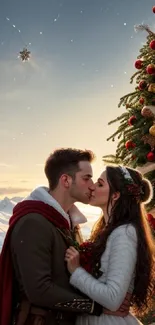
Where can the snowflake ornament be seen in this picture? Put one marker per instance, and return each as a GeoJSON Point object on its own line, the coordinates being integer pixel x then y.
{"type": "Point", "coordinates": [24, 55]}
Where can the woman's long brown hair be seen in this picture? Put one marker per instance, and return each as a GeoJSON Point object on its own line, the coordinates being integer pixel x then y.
{"type": "Point", "coordinates": [128, 211]}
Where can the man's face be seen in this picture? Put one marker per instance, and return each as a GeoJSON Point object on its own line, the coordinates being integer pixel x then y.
{"type": "Point", "coordinates": [82, 186]}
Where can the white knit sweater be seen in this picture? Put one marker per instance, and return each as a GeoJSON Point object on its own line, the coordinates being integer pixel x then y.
{"type": "Point", "coordinates": [118, 266]}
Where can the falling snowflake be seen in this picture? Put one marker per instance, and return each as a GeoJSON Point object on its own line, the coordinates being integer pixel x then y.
{"type": "Point", "coordinates": [24, 55]}
{"type": "Point", "coordinates": [58, 16]}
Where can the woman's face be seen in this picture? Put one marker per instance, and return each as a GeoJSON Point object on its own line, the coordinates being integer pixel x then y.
{"type": "Point", "coordinates": [100, 195]}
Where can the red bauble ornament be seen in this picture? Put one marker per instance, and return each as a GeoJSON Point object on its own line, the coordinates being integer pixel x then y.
{"type": "Point", "coordinates": [141, 100]}
{"type": "Point", "coordinates": [150, 156]}
{"type": "Point", "coordinates": [132, 120]}
{"type": "Point", "coordinates": [142, 85]}
{"type": "Point", "coordinates": [150, 69]}
{"type": "Point", "coordinates": [138, 64]}
{"type": "Point", "coordinates": [153, 9]}
{"type": "Point", "coordinates": [130, 145]}
{"type": "Point", "coordinates": [152, 45]}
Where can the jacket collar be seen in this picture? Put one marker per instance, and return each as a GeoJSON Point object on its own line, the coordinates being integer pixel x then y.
{"type": "Point", "coordinates": [41, 193]}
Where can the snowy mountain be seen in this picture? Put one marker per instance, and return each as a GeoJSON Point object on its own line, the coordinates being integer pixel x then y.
{"type": "Point", "coordinates": [6, 208]}
{"type": "Point", "coordinates": [7, 205]}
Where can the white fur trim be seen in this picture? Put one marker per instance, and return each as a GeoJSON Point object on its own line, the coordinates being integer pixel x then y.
{"type": "Point", "coordinates": [41, 193]}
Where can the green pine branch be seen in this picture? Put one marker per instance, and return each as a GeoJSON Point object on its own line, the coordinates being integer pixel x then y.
{"type": "Point", "coordinates": [117, 119]}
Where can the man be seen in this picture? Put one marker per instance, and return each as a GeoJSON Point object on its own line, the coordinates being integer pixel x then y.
{"type": "Point", "coordinates": [32, 269]}
{"type": "Point", "coordinates": [38, 237]}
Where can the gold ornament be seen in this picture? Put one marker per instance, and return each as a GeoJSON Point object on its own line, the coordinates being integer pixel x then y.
{"type": "Point", "coordinates": [146, 111]}
{"type": "Point", "coordinates": [151, 88]}
{"type": "Point", "coordinates": [24, 54]}
{"type": "Point", "coordinates": [152, 130]}
{"type": "Point", "coordinates": [149, 139]}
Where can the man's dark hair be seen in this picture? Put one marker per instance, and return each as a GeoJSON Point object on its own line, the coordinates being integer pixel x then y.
{"type": "Point", "coordinates": [65, 161]}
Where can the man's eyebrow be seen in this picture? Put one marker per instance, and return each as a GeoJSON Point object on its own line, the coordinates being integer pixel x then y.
{"type": "Point", "coordinates": [101, 179]}
{"type": "Point", "coordinates": [88, 175]}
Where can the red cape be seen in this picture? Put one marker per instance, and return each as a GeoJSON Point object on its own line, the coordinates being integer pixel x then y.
{"type": "Point", "coordinates": [6, 267]}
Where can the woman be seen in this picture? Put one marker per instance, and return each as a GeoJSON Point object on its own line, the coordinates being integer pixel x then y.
{"type": "Point", "coordinates": [122, 247]}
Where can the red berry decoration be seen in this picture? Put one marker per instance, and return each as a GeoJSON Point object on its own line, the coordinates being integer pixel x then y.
{"type": "Point", "coordinates": [150, 69]}
{"type": "Point", "coordinates": [142, 85]}
{"type": "Point", "coordinates": [149, 216]}
{"type": "Point", "coordinates": [130, 145]}
{"type": "Point", "coordinates": [152, 223]}
{"type": "Point", "coordinates": [141, 100]}
{"type": "Point", "coordinates": [153, 9]}
{"type": "Point", "coordinates": [152, 45]}
{"type": "Point", "coordinates": [150, 156]}
{"type": "Point", "coordinates": [132, 120]}
{"type": "Point", "coordinates": [151, 220]}
{"type": "Point", "coordinates": [138, 64]}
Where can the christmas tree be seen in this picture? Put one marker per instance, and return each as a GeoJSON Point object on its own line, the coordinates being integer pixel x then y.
{"type": "Point", "coordinates": [136, 131]}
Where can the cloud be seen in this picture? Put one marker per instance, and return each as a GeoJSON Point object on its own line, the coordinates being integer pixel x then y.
{"type": "Point", "coordinates": [4, 165]}
{"type": "Point", "coordinates": [13, 190]}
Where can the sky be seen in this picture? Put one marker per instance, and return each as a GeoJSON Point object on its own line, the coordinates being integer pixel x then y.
{"type": "Point", "coordinates": [82, 58]}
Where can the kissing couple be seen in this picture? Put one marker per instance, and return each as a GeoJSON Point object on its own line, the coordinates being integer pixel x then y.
{"type": "Point", "coordinates": [49, 276]}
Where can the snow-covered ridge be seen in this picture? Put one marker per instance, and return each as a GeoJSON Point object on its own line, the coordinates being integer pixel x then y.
{"type": "Point", "coordinates": [6, 208]}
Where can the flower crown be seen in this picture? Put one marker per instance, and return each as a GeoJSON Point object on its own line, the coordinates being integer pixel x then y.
{"type": "Point", "coordinates": [133, 189]}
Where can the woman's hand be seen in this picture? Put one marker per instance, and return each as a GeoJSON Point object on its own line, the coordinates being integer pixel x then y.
{"type": "Point", "coordinates": [72, 258]}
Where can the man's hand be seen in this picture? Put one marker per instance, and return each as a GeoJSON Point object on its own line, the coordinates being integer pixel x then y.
{"type": "Point", "coordinates": [123, 310]}
{"type": "Point", "coordinates": [72, 257]}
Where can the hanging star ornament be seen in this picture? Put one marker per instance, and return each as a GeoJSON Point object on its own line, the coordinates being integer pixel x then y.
{"type": "Point", "coordinates": [24, 55]}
